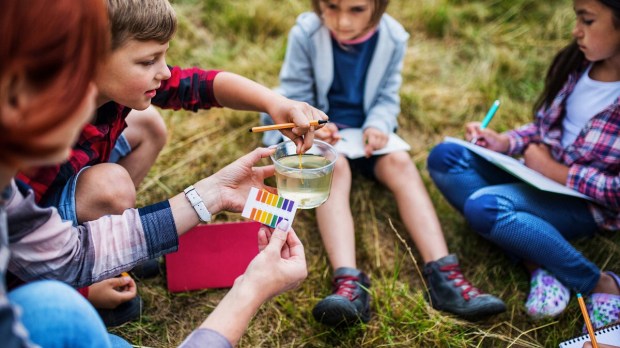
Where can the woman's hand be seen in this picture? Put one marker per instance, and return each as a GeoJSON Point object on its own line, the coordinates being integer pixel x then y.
{"type": "Point", "coordinates": [487, 137]}
{"type": "Point", "coordinates": [227, 189]}
{"type": "Point", "coordinates": [374, 139]}
{"type": "Point", "coordinates": [110, 293]}
{"type": "Point", "coordinates": [285, 110]}
{"type": "Point", "coordinates": [230, 186]}
{"type": "Point", "coordinates": [280, 266]}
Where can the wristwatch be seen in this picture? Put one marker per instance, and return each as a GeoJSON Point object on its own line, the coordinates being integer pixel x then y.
{"type": "Point", "coordinates": [196, 201]}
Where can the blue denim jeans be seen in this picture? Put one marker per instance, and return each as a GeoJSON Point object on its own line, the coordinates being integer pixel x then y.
{"type": "Point", "coordinates": [527, 223]}
{"type": "Point", "coordinates": [56, 315]}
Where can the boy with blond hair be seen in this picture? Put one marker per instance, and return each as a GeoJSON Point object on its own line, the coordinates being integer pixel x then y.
{"type": "Point", "coordinates": [116, 150]}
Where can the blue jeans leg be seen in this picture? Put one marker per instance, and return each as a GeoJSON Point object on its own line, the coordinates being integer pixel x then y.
{"type": "Point", "coordinates": [56, 315]}
{"type": "Point", "coordinates": [458, 173]}
{"type": "Point", "coordinates": [535, 225]}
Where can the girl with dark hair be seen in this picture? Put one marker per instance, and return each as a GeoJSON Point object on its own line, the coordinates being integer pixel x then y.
{"type": "Point", "coordinates": [574, 140]}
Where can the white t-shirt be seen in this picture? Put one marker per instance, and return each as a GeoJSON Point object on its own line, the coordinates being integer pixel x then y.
{"type": "Point", "coordinates": [589, 98]}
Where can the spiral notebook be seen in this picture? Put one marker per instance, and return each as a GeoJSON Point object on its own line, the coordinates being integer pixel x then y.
{"type": "Point", "coordinates": [607, 335]}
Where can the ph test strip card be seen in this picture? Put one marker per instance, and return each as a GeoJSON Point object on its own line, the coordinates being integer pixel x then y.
{"type": "Point", "coordinates": [268, 208]}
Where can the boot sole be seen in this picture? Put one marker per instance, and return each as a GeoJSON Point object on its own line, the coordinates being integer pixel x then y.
{"type": "Point", "coordinates": [326, 313]}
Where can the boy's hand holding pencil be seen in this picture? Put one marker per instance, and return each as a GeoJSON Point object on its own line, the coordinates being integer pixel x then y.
{"type": "Point", "coordinates": [300, 114]}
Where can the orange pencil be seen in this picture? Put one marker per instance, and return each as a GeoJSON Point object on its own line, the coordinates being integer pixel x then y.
{"type": "Point", "coordinates": [283, 126]}
{"type": "Point", "coordinates": [586, 318]}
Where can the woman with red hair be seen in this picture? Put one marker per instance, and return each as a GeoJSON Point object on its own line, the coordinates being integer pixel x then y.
{"type": "Point", "coordinates": [49, 53]}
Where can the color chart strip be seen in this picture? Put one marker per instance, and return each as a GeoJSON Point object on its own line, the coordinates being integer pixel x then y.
{"type": "Point", "coordinates": [268, 208]}
{"type": "Point", "coordinates": [274, 200]}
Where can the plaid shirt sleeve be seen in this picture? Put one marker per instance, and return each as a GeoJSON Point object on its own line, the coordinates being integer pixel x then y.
{"type": "Point", "coordinates": [596, 184]}
{"type": "Point", "coordinates": [43, 246]}
{"type": "Point", "coordinates": [189, 89]}
{"type": "Point", "coordinates": [595, 167]}
{"type": "Point", "coordinates": [521, 137]}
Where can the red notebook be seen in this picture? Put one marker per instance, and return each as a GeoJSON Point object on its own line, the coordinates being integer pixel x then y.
{"type": "Point", "coordinates": [212, 256]}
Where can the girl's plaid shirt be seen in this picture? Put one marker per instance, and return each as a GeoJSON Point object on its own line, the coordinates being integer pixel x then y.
{"type": "Point", "coordinates": [593, 159]}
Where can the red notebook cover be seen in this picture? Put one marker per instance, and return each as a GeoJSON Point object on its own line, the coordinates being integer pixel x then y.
{"type": "Point", "coordinates": [212, 256]}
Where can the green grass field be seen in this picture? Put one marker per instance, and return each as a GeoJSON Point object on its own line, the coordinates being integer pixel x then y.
{"type": "Point", "coordinates": [462, 55]}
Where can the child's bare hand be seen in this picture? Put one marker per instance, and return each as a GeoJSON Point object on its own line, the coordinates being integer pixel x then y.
{"type": "Point", "coordinates": [472, 130]}
{"type": "Point", "coordinates": [287, 110]}
{"type": "Point", "coordinates": [110, 293]}
{"type": "Point", "coordinates": [487, 137]}
{"type": "Point", "coordinates": [374, 139]}
{"type": "Point", "coordinates": [538, 157]}
{"type": "Point", "coordinates": [329, 134]}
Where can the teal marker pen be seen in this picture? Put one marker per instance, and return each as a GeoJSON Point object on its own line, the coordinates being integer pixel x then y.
{"type": "Point", "coordinates": [490, 114]}
{"type": "Point", "coordinates": [487, 118]}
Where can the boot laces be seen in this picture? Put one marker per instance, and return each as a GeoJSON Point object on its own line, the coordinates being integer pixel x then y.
{"type": "Point", "coordinates": [345, 286]}
{"type": "Point", "coordinates": [468, 291]}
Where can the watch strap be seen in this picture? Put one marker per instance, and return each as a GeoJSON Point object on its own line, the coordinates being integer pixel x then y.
{"type": "Point", "coordinates": [196, 201]}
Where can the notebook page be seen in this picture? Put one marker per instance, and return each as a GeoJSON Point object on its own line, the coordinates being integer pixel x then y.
{"type": "Point", "coordinates": [607, 335]}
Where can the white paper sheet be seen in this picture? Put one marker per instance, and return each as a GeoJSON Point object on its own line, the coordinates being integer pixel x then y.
{"type": "Point", "coordinates": [352, 144]}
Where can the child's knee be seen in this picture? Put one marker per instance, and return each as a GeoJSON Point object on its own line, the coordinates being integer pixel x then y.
{"type": "Point", "coordinates": [397, 168]}
{"type": "Point", "coordinates": [397, 162]}
{"type": "Point", "coordinates": [342, 166]}
{"type": "Point", "coordinates": [120, 193]}
{"type": "Point", "coordinates": [107, 184]}
{"type": "Point", "coordinates": [445, 156]}
{"type": "Point", "coordinates": [155, 126]}
{"type": "Point", "coordinates": [482, 211]}
{"type": "Point", "coordinates": [152, 124]}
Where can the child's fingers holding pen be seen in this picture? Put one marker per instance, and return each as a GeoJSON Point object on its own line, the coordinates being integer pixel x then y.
{"type": "Point", "coordinates": [308, 140]}
{"type": "Point", "coordinates": [314, 115]}
{"type": "Point", "coordinates": [472, 131]}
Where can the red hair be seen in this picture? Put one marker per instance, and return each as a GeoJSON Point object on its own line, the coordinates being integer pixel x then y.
{"type": "Point", "coordinates": [56, 47]}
